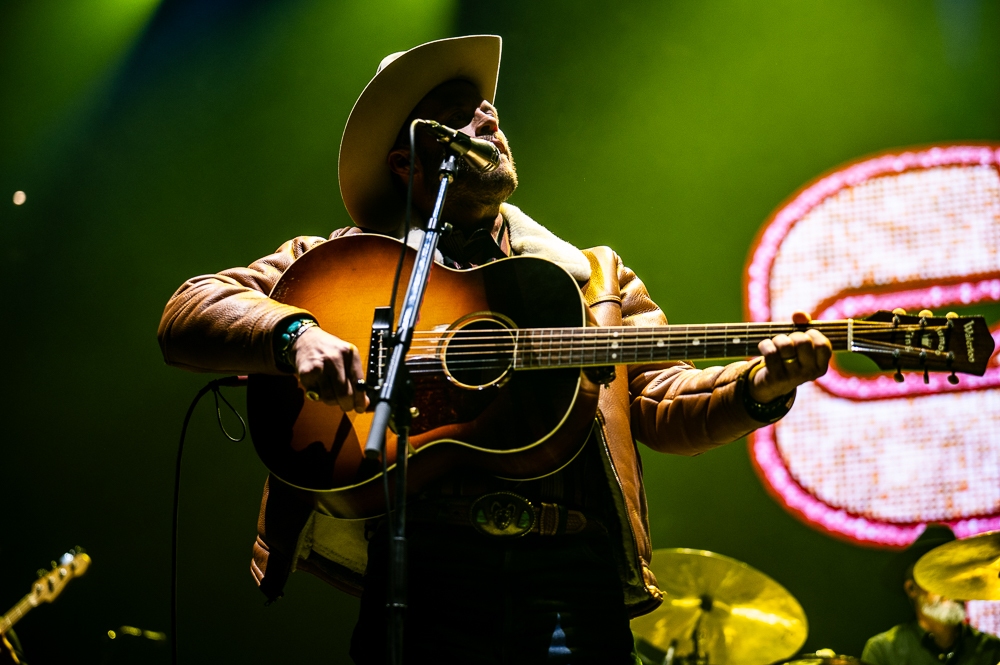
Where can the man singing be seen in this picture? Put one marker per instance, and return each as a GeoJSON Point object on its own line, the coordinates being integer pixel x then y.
{"type": "Point", "coordinates": [559, 594]}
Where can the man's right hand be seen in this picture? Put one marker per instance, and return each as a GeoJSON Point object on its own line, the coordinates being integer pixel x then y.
{"type": "Point", "coordinates": [331, 367]}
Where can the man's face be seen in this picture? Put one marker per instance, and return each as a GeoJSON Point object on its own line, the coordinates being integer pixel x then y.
{"type": "Point", "coordinates": [943, 610]}
{"type": "Point", "coordinates": [459, 105]}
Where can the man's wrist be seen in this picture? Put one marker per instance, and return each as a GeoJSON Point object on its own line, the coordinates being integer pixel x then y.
{"type": "Point", "coordinates": [764, 412]}
{"type": "Point", "coordinates": [287, 333]}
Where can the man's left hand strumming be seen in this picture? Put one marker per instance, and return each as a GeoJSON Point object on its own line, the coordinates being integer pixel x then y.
{"type": "Point", "coordinates": [790, 361]}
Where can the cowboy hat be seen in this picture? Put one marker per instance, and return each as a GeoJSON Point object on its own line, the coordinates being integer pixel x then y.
{"type": "Point", "coordinates": [401, 81]}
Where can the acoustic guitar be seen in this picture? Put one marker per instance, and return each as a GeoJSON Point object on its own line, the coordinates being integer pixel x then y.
{"type": "Point", "coordinates": [496, 366]}
{"type": "Point", "coordinates": [46, 588]}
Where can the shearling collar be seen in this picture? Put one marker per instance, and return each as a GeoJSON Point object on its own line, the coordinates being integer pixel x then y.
{"type": "Point", "coordinates": [528, 237]}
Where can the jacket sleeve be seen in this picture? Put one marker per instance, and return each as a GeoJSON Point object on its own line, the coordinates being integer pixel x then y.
{"type": "Point", "coordinates": [675, 407]}
{"type": "Point", "coordinates": [225, 322]}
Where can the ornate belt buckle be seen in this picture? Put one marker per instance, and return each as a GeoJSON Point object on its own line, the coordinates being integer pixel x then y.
{"type": "Point", "coordinates": [502, 514]}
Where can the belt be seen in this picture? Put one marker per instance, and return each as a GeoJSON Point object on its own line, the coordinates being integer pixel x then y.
{"type": "Point", "coordinates": [503, 515]}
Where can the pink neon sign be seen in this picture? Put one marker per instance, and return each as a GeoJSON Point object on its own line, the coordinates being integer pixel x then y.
{"type": "Point", "coordinates": [865, 458]}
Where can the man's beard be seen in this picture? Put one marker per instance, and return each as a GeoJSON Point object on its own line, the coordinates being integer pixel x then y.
{"type": "Point", "coordinates": [947, 612]}
{"type": "Point", "coordinates": [473, 188]}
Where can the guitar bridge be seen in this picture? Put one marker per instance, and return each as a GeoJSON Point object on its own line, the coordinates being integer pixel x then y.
{"type": "Point", "coordinates": [378, 350]}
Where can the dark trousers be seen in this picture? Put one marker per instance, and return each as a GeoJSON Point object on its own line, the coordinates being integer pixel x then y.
{"type": "Point", "coordinates": [477, 599]}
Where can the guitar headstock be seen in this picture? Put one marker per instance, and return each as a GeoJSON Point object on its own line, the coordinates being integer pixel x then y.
{"type": "Point", "coordinates": [50, 583]}
{"type": "Point", "coordinates": [925, 342]}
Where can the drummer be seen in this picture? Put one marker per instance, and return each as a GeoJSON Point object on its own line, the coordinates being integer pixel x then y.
{"type": "Point", "coordinates": [939, 632]}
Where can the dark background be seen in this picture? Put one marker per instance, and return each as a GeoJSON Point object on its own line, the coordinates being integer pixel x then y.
{"type": "Point", "coordinates": [156, 141]}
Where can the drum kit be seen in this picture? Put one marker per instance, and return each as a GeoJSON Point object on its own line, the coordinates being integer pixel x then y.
{"type": "Point", "coordinates": [720, 611]}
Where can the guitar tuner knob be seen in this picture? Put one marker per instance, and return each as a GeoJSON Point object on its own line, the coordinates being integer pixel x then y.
{"type": "Point", "coordinates": [898, 377]}
{"type": "Point", "coordinates": [952, 379]}
{"type": "Point", "coordinates": [927, 379]}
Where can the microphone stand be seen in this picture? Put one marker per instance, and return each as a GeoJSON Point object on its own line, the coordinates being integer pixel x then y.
{"type": "Point", "coordinates": [393, 407]}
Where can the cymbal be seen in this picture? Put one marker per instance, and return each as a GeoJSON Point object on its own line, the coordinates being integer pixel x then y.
{"type": "Point", "coordinates": [742, 616]}
{"type": "Point", "coordinates": [964, 569]}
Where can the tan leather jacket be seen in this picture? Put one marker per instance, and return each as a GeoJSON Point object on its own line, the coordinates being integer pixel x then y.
{"type": "Point", "coordinates": [225, 323]}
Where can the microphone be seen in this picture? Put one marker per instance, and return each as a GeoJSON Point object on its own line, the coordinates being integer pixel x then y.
{"type": "Point", "coordinates": [481, 155]}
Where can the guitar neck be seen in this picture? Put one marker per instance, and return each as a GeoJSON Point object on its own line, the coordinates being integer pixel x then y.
{"type": "Point", "coordinates": [15, 614]}
{"type": "Point", "coordinates": [541, 348]}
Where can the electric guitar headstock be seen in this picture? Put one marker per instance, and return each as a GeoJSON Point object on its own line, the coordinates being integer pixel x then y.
{"type": "Point", "coordinates": [949, 343]}
{"type": "Point", "coordinates": [50, 583]}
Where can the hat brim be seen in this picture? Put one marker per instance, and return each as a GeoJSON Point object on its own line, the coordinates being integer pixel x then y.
{"type": "Point", "coordinates": [365, 180]}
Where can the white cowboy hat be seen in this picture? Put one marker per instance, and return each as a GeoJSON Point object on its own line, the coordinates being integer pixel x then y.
{"type": "Point", "coordinates": [401, 81]}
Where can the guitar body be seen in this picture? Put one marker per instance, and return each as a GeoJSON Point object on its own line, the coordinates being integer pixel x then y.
{"type": "Point", "coordinates": [518, 425]}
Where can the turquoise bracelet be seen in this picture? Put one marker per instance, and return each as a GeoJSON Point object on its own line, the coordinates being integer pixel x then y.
{"type": "Point", "coordinates": [287, 339]}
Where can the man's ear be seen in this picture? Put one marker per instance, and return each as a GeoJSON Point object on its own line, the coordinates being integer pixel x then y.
{"type": "Point", "coordinates": [399, 163]}
{"type": "Point", "coordinates": [911, 589]}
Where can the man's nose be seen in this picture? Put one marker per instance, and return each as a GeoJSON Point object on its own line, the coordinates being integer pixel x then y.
{"type": "Point", "coordinates": [484, 123]}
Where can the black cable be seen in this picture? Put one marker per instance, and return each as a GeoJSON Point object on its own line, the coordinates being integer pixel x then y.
{"type": "Point", "coordinates": [214, 387]}
{"type": "Point", "coordinates": [392, 309]}
{"type": "Point", "coordinates": [406, 224]}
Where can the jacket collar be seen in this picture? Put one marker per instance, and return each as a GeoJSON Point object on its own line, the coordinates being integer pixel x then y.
{"type": "Point", "coordinates": [529, 238]}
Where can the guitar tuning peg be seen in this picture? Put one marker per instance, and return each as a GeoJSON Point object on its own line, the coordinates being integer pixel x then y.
{"type": "Point", "coordinates": [925, 312]}
{"type": "Point", "coordinates": [927, 379]}
{"type": "Point", "coordinates": [899, 311]}
{"type": "Point", "coordinates": [951, 315]}
{"type": "Point", "coordinates": [898, 376]}
{"type": "Point", "coordinates": [952, 379]}
{"type": "Point", "coordinates": [41, 572]}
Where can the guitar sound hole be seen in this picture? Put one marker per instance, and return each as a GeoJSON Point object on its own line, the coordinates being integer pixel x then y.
{"type": "Point", "coordinates": [479, 352]}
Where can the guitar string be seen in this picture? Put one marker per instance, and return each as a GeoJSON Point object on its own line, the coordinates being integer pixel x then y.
{"type": "Point", "coordinates": [561, 335]}
{"type": "Point", "coordinates": [540, 338]}
{"type": "Point", "coordinates": [536, 342]}
{"type": "Point", "coordinates": [674, 330]}
{"type": "Point", "coordinates": [469, 364]}
{"type": "Point", "coordinates": [660, 353]}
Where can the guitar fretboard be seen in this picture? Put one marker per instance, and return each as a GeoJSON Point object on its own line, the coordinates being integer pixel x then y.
{"type": "Point", "coordinates": [539, 348]}
{"type": "Point", "coordinates": [18, 611]}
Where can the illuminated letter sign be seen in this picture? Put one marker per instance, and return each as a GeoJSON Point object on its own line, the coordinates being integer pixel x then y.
{"type": "Point", "coordinates": [864, 457]}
